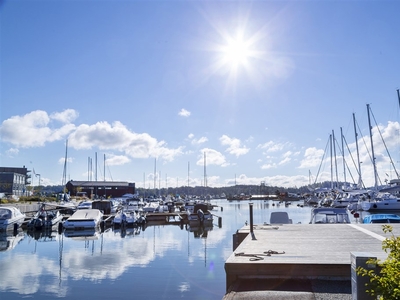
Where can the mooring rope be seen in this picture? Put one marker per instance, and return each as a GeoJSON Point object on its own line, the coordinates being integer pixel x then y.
{"type": "Point", "coordinates": [255, 257]}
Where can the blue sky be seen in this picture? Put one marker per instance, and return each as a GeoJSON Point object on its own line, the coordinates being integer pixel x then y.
{"type": "Point", "coordinates": [258, 86]}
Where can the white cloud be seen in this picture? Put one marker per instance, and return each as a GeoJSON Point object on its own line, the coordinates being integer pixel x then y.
{"type": "Point", "coordinates": [67, 116]}
{"type": "Point", "coordinates": [234, 146]}
{"type": "Point", "coordinates": [116, 160]}
{"type": "Point", "coordinates": [213, 157]}
{"type": "Point", "coordinates": [12, 152]}
{"type": "Point", "coordinates": [268, 166]}
{"type": "Point", "coordinates": [285, 161]}
{"type": "Point", "coordinates": [117, 137]}
{"type": "Point", "coordinates": [312, 158]}
{"type": "Point", "coordinates": [184, 113]}
{"type": "Point", "coordinates": [199, 141]}
{"type": "Point", "coordinates": [32, 130]}
{"type": "Point", "coordinates": [272, 146]}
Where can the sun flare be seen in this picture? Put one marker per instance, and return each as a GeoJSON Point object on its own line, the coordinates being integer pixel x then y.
{"type": "Point", "coordinates": [237, 51]}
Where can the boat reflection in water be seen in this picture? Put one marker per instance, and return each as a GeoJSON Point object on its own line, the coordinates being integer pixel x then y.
{"type": "Point", "coordinates": [10, 239]}
{"type": "Point", "coordinates": [200, 230]}
{"type": "Point", "coordinates": [84, 234]}
{"type": "Point", "coordinates": [42, 235]}
{"type": "Point", "coordinates": [164, 261]}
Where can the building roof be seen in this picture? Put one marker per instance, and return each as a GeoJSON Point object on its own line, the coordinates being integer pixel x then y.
{"type": "Point", "coordinates": [84, 184]}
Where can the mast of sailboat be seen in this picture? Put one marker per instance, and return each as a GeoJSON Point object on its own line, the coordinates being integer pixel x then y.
{"type": "Point", "coordinates": [205, 176]}
{"type": "Point", "coordinates": [372, 149]}
{"type": "Point", "coordinates": [155, 179]}
{"type": "Point", "coordinates": [358, 152]}
{"type": "Point", "coordinates": [344, 162]}
{"type": "Point", "coordinates": [334, 153]}
{"type": "Point", "coordinates": [330, 142]}
{"type": "Point", "coordinates": [144, 185]}
{"type": "Point", "coordinates": [64, 178]}
{"type": "Point", "coordinates": [95, 172]}
{"type": "Point", "coordinates": [188, 178]}
{"type": "Point", "coordinates": [398, 95]}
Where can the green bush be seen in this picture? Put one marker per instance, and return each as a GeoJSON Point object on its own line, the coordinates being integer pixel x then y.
{"type": "Point", "coordinates": [384, 280]}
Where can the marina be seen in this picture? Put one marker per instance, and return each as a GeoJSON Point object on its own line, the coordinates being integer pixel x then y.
{"type": "Point", "coordinates": [188, 261]}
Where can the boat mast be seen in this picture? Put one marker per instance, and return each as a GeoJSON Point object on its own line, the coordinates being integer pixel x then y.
{"type": "Point", "coordinates": [334, 153]}
{"type": "Point", "coordinates": [64, 178]}
{"type": "Point", "coordinates": [398, 95]}
{"type": "Point", "coordinates": [155, 180]}
{"type": "Point", "coordinates": [205, 176]}
{"type": "Point", "coordinates": [330, 140]}
{"type": "Point", "coordinates": [358, 153]}
{"type": "Point", "coordinates": [372, 149]}
{"type": "Point", "coordinates": [344, 162]}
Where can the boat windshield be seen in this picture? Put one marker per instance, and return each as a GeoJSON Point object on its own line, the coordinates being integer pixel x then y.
{"type": "Point", "coordinates": [322, 218]}
{"type": "Point", "coordinates": [5, 214]}
{"type": "Point", "coordinates": [385, 221]}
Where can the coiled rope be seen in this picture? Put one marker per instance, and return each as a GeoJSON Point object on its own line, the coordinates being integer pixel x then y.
{"type": "Point", "coordinates": [255, 257]}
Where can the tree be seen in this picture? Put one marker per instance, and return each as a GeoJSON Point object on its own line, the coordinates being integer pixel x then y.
{"type": "Point", "coordinates": [384, 280]}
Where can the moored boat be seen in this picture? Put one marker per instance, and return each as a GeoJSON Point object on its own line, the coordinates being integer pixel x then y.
{"type": "Point", "coordinates": [329, 215]}
{"type": "Point", "coordinates": [383, 201]}
{"type": "Point", "coordinates": [84, 219]}
{"type": "Point", "coordinates": [11, 218]}
{"type": "Point", "coordinates": [381, 218]}
{"type": "Point", "coordinates": [45, 219]}
{"type": "Point", "coordinates": [125, 218]}
{"type": "Point", "coordinates": [200, 215]}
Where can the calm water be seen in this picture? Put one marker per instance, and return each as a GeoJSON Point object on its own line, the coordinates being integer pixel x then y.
{"type": "Point", "coordinates": [160, 262]}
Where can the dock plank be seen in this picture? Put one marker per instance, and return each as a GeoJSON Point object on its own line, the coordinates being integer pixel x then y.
{"type": "Point", "coordinates": [320, 251]}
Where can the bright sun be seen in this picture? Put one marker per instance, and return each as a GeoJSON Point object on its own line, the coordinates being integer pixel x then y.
{"type": "Point", "coordinates": [236, 52]}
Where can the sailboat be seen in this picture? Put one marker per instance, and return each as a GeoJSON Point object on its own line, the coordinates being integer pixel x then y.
{"type": "Point", "coordinates": [382, 199]}
{"type": "Point", "coordinates": [65, 203]}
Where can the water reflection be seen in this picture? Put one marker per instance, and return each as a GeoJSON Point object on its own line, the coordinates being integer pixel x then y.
{"type": "Point", "coordinates": [157, 261]}
{"type": "Point", "coordinates": [10, 239]}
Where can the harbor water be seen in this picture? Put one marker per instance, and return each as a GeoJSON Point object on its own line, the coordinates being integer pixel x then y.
{"type": "Point", "coordinates": [156, 262]}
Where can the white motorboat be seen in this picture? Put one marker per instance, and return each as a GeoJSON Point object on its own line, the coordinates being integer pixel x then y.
{"type": "Point", "coordinates": [45, 219]}
{"type": "Point", "coordinates": [382, 201]}
{"type": "Point", "coordinates": [150, 207]}
{"type": "Point", "coordinates": [125, 218]}
{"type": "Point", "coordinates": [349, 198]}
{"type": "Point", "coordinates": [11, 218]}
{"type": "Point", "coordinates": [84, 219]}
{"type": "Point", "coordinates": [84, 205]}
{"type": "Point", "coordinates": [200, 215]}
{"type": "Point", "coordinates": [381, 218]}
{"type": "Point", "coordinates": [329, 215]}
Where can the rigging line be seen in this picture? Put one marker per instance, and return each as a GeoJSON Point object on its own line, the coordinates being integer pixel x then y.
{"type": "Point", "coordinates": [365, 144]}
{"type": "Point", "coordinates": [344, 160]}
{"type": "Point", "coordinates": [109, 171]}
{"type": "Point", "coordinates": [384, 143]}
{"type": "Point", "coordinates": [354, 163]}
{"type": "Point", "coordinates": [319, 169]}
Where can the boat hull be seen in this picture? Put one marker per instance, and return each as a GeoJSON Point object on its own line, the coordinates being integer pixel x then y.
{"type": "Point", "coordinates": [84, 219]}
{"type": "Point", "coordinates": [11, 218]}
{"type": "Point", "coordinates": [381, 205]}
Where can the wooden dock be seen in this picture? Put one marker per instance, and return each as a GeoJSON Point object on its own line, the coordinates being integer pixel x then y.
{"type": "Point", "coordinates": [301, 251]}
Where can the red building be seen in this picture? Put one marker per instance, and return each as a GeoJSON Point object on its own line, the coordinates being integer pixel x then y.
{"type": "Point", "coordinates": [97, 189]}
